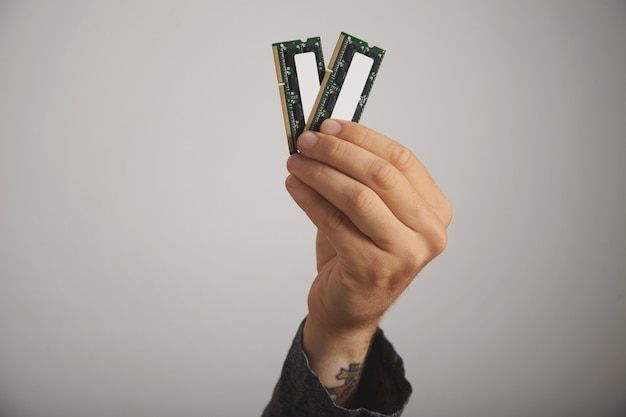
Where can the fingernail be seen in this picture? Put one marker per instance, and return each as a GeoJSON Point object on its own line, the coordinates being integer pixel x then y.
{"type": "Point", "coordinates": [330, 127]}
{"type": "Point", "coordinates": [294, 162]}
{"type": "Point", "coordinates": [307, 140]}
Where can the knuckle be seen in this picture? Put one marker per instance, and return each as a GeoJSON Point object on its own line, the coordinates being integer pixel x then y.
{"type": "Point", "coordinates": [438, 240]}
{"type": "Point", "coordinates": [362, 134]}
{"type": "Point", "coordinates": [390, 275]}
{"type": "Point", "coordinates": [413, 262]}
{"type": "Point", "coordinates": [316, 172]}
{"type": "Point", "coordinates": [394, 272]}
{"type": "Point", "coordinates": [334, 150]}
{"type": "Point", "coordinates": [446, 210]}
{"type": "Point", "coordinates": [401, 157]}
{"type": "Point", "coordinates": [362, 199]}
{"type": "Point", "coordinates": [410, 263]}
{"type": "Point", "coordinates": [380, 272]}
{"type": "Point", "coordinates": [384, 175]}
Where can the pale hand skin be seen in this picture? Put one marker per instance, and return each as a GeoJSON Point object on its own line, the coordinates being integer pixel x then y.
{"type": "Point", "coordinates": [381, 218]}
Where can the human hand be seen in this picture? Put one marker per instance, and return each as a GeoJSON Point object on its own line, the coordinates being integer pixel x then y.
{"type": "Point", "coordinates": [380, 217]}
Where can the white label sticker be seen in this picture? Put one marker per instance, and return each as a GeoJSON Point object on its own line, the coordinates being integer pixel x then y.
{"type": "Point", "coordinates": [308, 80]}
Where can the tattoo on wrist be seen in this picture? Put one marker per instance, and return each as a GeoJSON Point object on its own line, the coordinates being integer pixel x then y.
{"type": "Point", "coordinates": [342, 394]}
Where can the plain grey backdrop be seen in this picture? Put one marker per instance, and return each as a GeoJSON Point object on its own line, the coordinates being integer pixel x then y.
{"type": "Point", "coordinates": [152, 264]}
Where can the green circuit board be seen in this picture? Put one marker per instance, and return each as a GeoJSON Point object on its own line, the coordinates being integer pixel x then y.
{"type": "Point", "coordinates": [349, 51]}
{"type": "Point", "coordinates": [295, 81]}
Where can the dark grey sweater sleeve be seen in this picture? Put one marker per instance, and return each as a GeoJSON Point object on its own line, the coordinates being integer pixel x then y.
{"type": "Point", "coordinates": [383, 388]}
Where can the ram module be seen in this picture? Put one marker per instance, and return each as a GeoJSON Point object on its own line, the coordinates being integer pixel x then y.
{"type": "Point", "coordinates": [299, 70]}
{"type": "Point", "coordinates": [347, 82]}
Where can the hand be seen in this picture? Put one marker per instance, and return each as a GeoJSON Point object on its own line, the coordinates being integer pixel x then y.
{"type": "Point", "coordinates": [380, 217]}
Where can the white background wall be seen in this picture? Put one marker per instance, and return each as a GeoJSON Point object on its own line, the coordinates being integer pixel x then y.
{"type": "Point", "coordinates": [151, 263]}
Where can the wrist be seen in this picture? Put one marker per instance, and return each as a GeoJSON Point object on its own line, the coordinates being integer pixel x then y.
{"type": "Point", "coordinates": [336, 356]}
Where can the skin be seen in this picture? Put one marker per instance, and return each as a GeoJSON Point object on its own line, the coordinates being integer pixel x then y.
{"type": "Point", "coordinates": [380, 218]}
